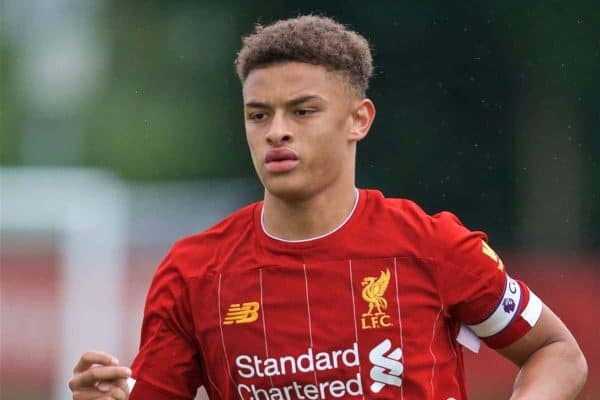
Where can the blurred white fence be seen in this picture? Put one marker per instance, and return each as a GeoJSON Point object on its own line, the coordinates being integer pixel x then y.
{"type": "Point", "coordinates": [90, 243]}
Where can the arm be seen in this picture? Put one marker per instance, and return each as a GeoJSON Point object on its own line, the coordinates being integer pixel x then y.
{"type": "Point", "coordinates": [552, 364]}
{"type": "Point", "coordinates": [506, 315]}
{"type": "Point", "coordinates": [167, 366]}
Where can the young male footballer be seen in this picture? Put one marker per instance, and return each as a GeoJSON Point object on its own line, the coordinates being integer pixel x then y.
{"type": "Point", "coordinates": [323, 290]}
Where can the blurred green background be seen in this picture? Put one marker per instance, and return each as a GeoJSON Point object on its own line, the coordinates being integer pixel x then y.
{"type": "Point", "coordinates": [488, 109]}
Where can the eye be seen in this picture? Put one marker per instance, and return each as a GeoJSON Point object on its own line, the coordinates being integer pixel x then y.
{"type": "Point", "coordinates": [258, 116]}
{"type": "Point", "coordinates": [304, 112]}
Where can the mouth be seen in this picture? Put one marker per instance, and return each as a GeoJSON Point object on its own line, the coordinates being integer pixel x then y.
{"type": "Point", "coordinates": [281, 160]}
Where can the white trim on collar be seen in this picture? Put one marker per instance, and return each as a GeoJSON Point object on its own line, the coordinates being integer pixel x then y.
{"type": "Point", "coordinates": [262, 224]}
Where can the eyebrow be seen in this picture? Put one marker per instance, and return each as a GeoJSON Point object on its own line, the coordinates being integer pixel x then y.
{"type": "Point", "coordinates": [292, 102]}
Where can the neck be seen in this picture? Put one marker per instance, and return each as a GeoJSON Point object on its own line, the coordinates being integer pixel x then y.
{"type": "Point", "coordinates": [308, 218]}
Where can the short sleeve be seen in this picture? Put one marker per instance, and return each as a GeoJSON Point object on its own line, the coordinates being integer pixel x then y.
{"type": "Point", "coordinates": [167, 365]}
{"type": "Point", "coordinates": [475, 287]}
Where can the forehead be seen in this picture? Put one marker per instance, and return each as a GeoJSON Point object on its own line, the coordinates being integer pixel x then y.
{"type": "Point", "coordinates": [291, 79]}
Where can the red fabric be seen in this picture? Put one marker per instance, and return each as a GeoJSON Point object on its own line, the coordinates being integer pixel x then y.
{"type": "Point", "coordinates": [372, 308]}
{"type": "Point", "coordinates": [472, 282]}
{"type": "Point", "coordinates": [143, 390]}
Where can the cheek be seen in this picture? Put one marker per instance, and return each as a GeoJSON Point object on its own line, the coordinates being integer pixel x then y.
{"type": "Point", "coordinates": [252, 140]}
{"type": "Point", "coordinates": [329, 150]}
{"type": "Point", "coordinates": [332, 139]}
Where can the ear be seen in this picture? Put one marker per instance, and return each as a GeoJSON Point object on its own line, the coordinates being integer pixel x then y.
{"type": "Point", "coordinates": [363, 115]}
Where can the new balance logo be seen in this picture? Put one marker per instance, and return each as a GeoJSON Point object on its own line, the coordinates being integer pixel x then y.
{"type": "Point", "coordinates": [242, 314]}
{"type": "Point", "coordinates": [387, 368]}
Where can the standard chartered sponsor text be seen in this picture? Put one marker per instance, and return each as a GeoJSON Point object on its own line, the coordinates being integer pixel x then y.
{"type": "Point", "coordinates": [322, 390]}
{"type": "Point", "coordinates": [249, 367]}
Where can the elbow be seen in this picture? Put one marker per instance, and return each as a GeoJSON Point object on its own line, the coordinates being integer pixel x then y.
{"type": "Point", "coordinates": [581, 366]}
{"type": "Point", "coordinates": [575, 367]}
{"type": "Point", "coordinates": [578, 367]}
{"type": "Point", "coordinates": [577, 364]}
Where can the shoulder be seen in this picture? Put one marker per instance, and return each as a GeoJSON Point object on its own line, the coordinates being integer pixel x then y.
{"type": "Point", "coordinates": [437, 232]}
{"type": "Point", "coordinates": [442, 223]}
{"type": "Point", "coordinates": [195, 254]}
{"type": "Point", "coordinates": [394, 205]}
{"type": "Point", "coordinates": [400, 213]}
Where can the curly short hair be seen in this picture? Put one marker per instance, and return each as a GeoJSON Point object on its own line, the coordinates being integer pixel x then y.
{"type": "Point", "coordinates": [309, 39]}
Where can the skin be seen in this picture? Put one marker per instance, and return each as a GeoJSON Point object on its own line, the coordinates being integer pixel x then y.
{"type": "Point", "coordinates": [98, 376]}
{"type": "Point", "coordinates": [322, 130]}
{"type": "Point", "coordinates": [552, 366]}
{"type": "Point", "coordinates": [312, 113]}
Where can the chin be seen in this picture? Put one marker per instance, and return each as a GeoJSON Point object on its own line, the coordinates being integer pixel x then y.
{"type": "Point", "coordinates": [287, 188]}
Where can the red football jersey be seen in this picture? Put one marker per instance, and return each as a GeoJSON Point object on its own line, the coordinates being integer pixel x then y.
{"type": "Point", "coordinates": [369, 311]}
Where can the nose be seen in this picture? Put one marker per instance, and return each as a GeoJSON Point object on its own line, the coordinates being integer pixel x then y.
{"type": "Point", "coordinates": [278, 133]}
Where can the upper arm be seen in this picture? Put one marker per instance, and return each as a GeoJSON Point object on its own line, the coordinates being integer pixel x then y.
{"type": "Point", "coordinates": [168, 365]}
{"type": "Point", "coordinates": [476, 288]}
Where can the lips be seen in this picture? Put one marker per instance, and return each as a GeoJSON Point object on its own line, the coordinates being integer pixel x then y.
{"type": "Point", "coordinates": [281, 160]}
{"type": "Point", "coordinates": [280, 155]}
